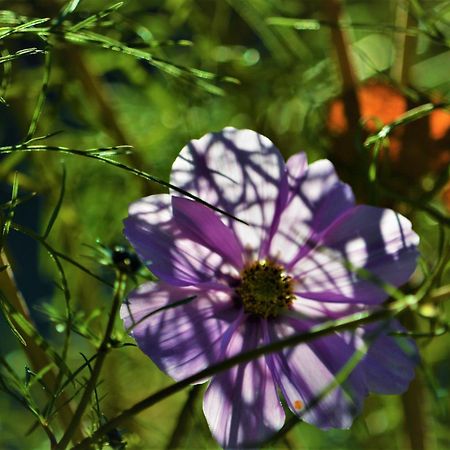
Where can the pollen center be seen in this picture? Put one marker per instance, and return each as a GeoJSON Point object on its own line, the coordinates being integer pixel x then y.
{"type": "Point", "coordinates": [265, 289]}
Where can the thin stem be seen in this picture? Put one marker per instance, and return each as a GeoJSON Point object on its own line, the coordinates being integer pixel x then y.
{"type": "Point", "coordinates": [430, 210]}
{"type": "Point", "coordinates": [349, 81]}
{"type": "Point", "coordinates": [413, 412]}
{"type": "Point", "coordinates": [183, 418]}
{"type": "Point", "coordinates": [409, 116]}
{"type": "Point", "coordinates": [348, 322]}
{"type": "Point", "coordinates": [35, 352]}
{"type": "Point", "coordinates": [94, 154]}
{"type": "Point", "coordinates": [281, 434]}
{"type": "Point", "coordinates": [119, 287]}
{"type": "Point", "coordinates": [42, 95]}
{"type": "Point", "coordinates": [55, 253]}
{"type": "Point", "coordinates": [405, 44]}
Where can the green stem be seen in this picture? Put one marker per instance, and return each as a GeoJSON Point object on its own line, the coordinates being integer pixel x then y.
{"type": "Point", "coordinates": [103, 350]}
{"type": "Point", "coordinates": [37, 350]}
{"type": "Point", "coordinates": [281, 434]}
{"type": "Point", "coordinates": [348, 322]}
{"type": "Point", "coordinates": [430, 210]}
{"type": "Point", "coordinates": [333, 9]}
{"type": "Point", "coordinates": [95, 154]}
{"type": "Point", "coordinates": [55, 253]}
{"type": "Point", "coordinates": [183, 418]}
{"type": "Point", "coordinates": [408, 117]}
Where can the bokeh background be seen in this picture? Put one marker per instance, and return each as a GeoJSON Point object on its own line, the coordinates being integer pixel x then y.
{"type": "Point", "coordinates": [318, 76]}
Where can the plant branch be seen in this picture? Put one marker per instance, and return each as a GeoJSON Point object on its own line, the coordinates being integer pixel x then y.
{"type": "Point", "coordinates": [349, 322]}
{"type": "Point", "coordinates": [103, 350]}
{"type": "Point", "coordinates": [183, 418]}
{"type": "Point", "coordinates": [35, 352]}
{"type": "Point", "coordinates": [95, 154]}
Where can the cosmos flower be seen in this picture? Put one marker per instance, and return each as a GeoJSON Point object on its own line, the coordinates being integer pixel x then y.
{"type": "Point", "coordinates": [287, 265]}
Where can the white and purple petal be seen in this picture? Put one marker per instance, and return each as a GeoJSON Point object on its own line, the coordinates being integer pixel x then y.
{"type": "Point", "coordinates": [378, 241]}
{"type": "Point", "coordinates": [185, 338]}
{"type": "Point", "coordinates": [316, 198]}
{"type": "Point", "coordinates": [241, 405]}
{"type": "Point", "coordinates": [202, 225]}
{"type": "Point", "coordinates": [173, 255]}
{"type": "Point", "coordinates": [242, 173]}
{"type": "Point", "coordinates": [307, 375]}
{"type": "Point", "coordinates": [391, 359]}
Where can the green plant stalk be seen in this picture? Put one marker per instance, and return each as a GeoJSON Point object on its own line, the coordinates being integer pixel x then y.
{"type": "Point", "coordinates": [42, 96]}
{"type": "Point", "coordinates": [332, 8]}
{"type": "Point", "coordinates": [55, 253]}
{"type": "Point", "coordinates": [183, 418]}
{"type": "Point", "coordinates": [408, 117]}
{"type": "Point", "coordinates": [346, 323]}
{"type": "Point", "coordinates": [35, 353]}
{"type": "Point", "coordinates": [95, 154]}
{"type": "Point", "coordinates": [405, 44]}
{"type": "Point", "coordinates": [377, 140]}
{"type": "Point", "coordinates": [339, 380]}
{"type": "Point", "coordinates": [119, 287]}
{"type": "Point", "coordinates": [430, 210]}
{"type": "Point", "coordinates": [415, 423]}
{"type": "Point", "coordinates": [89, 38]}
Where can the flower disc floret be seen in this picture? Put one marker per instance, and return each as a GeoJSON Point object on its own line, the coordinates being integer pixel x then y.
{"type": "Point", "coordinates": [265, 289]}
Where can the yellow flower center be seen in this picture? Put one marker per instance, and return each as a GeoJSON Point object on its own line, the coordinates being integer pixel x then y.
{"type": "Point", "coordinates": [265, 289]}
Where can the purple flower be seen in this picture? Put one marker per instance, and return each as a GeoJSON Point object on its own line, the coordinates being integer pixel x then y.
{"type": "Point", "coordinates": [287, 269]}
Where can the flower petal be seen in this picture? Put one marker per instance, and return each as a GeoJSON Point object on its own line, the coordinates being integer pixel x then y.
{"type": "Point", "coordinates": [186, 338]}
{"type": "Point", "coordinates": [390, 362]}
{"type": "Point", "coordinates": [241, 405]}
{"type": "Point", "coordinates": [202, 225]}
{"type": "Point", "coordinates": [296, 167]}
{"type": "Point", "coordinates": [170, 254]}
{"type": "Point", "coordinates": [307, 376]}
{"type": "Point", "coordinates": [320, 311]}
{"type": "Point", "coordinates": [316, 198]}
{"type": "Point", "coordinates": [377, 240]}
{"type": "Point", "coordinates": [241, 172]}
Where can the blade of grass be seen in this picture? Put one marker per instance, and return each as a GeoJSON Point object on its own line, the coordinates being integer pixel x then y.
{"type": "Point", "coordinates": [10, 211]}
{"type": "Point", "coordinates": [25, 51]}
{"type": "Point", "coordinates": [42, 95]}
{"type": "Point", "coordinates": [92, 20]}
{"type": "Point", "coordinates": [57, 208]}
{"type": "Point", "coordinates": [183, 419]}
{"type": "Point", "coordinates": [22, 27]}
{"type": "Point", "coordinates": [6, 79]}
{"type": "Point", "coordinates": [57, 254]}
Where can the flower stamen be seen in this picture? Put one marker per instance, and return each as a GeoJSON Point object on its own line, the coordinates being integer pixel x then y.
{"type": "Point", "coordinates": [265, 289]}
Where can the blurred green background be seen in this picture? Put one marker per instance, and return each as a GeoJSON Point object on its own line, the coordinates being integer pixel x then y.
{"type": "Point", "coordinates": [317, 76]}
